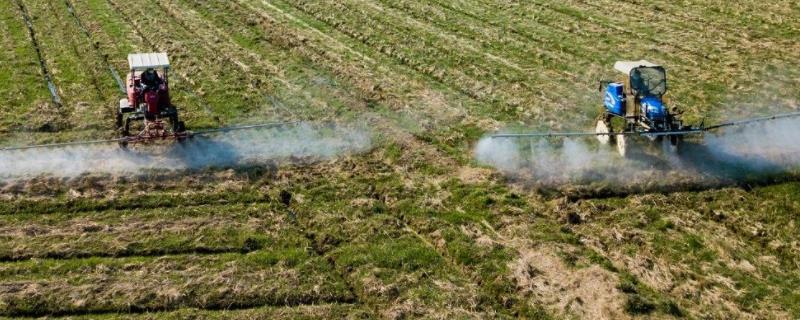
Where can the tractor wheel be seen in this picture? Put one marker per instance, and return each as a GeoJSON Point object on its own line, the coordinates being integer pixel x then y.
{"type": "Point", "coordinates": [622, 145]}
{"type": "Point", "coordinates": [126, 130]}
{"type": "Point", "coordinates": [177, 125]}
{"type": "Point", "coordinates": [603, 127]}
{"type": "Point", "coordinates": [671, 143]}
{"type": "Point", "coordinates": [119, 120]}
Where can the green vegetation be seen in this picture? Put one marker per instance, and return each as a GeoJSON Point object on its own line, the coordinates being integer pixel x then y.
{"type": "Point", "coordinates": [414, 228]}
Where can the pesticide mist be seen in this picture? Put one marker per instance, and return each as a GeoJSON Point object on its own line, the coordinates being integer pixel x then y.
{"type": "Point", "coordinates": [285, 144]}
{"type": "Point", "coordinates": [757, 151]}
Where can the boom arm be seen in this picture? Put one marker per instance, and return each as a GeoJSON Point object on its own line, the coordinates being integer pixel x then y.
{"type": "Point", "coordinates": [645, 133]}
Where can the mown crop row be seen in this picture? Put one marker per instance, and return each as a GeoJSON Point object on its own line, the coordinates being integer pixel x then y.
{"type": "Point", "coordinates": [278, 277]}
{"type": "Point", "coordinates": [300, 92]}
{"type": "Point", "coordinates": [689, 247]}
{"type": "Point", "coordinates": [87, 89]}
{"type": "Point", "coordinates": [493, 83]}
{"type": "Point", "coordinates": [378, 80]}
{"type": "Point", "coordinates": [146, 232]}
{"type": "Point", "coordinates": [21, 83]}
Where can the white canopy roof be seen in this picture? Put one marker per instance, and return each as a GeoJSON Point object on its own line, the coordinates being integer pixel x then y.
{"type": "Point", "coordinates": [626, 66]}
{"type": "Point", "coordinates": [143, 61]}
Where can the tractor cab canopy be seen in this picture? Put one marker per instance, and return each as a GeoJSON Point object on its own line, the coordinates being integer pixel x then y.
{"type": "Point", "coordinates": [645, 78]}
{"type": "Point", "coordinates": [143, 61]}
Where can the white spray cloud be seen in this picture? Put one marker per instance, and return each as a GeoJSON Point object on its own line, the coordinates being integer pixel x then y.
{"type": "Point", "coordinates": [279, 144]}
{"type": "Point", "coordinates": [727, 156]}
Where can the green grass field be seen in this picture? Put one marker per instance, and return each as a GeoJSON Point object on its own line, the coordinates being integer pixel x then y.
{"type": "Point", "coordinates": [415, 227]}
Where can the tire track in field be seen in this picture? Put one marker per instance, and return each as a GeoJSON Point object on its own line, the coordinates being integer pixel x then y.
{"type": "Point", "coordinates": [337, 43]}
{"type": "Point", "coordinates": [154, 253]}
{"type": "Point", "coordinates": [589, 18]}
{"type": "Point", "coordinates": [152, 313]}
{"type": "Point", "coordinates": [454, 39]}
{"type": "Point", "coordinates": [42, 64]}
{"type": "Point", "coordinates": [521, 33]}
{"type": "Point", "coordinates": [533, 83]}
{"type": "Point", "coordinates": [464, 80]}
{"type": "Point", "coordinates": [185, 10]}
{"type": "Point", "coordinates": [189, 19]}
{"type": "Point", "coordinates": [299, 43]}
{"type": "Point", "coordinates": [409, 10]}
{"type": "Point", "coordinates": [354, 71]}
{"type": "Point", "coordinates": [190, 15]}
{"type": "Point", "coordinates": [701, 25]}
{"type": "Point", "coordinates": [558, 68]}
{"type": "Point", "coordinates": [576, 33]}
{"type": "Point", "coordinates": [463, 44]}
{"type": "Point", "coordinates": [98, 51]}
{"type": "Point", "coordinates": [80, 61]}
{"type": "Point", "coordinates": [212, 283]}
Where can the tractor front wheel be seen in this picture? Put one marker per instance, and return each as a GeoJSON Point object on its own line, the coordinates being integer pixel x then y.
{"type": "Point", "coordinates": [125, 131]}
{"type": "Point", "coordinates": [603, 127]}
{"type": "Point", "coordinates": [622, 145]}
{"type": "Point", "coordinates": [671, 144]}
{"type": "Point", "coordinates": [119, 120]}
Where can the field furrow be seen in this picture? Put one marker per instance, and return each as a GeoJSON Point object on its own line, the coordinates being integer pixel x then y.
{"type": "Point", "coordinates": [201, 229]}
{"type": "Point", "coordinates": [86, 88]}
{"type": "Point", "coordinates": [396, 85]}
{"type": "Point", "coordinates": [647, 36]}
{"type": "Point", "coordinates": [529, 54]}
{"type": "Point", "coordinates": [315, 311]}
{"type": "Point", "coordinates": [95, 45]}
{"type": "Point", "coordinates": [298, 93]}
{"type": "Point", "coordinates": [275, 277]}
{"type": "Point", "coordinates": [680, 20]}
{"type": "Point", "coordinates": [773, 19]}
{"type": "Point", "coordinates": [24, 88]}
{"type": "Point", "coordinates": [494, 84]}
{"type": "Point", "coordinates": [415, 224]}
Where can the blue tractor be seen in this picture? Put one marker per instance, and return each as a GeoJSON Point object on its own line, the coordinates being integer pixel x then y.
{"type": "Point", "coordinates": [638, 103]}
{"type": "Point", "coordinates": [634, 108]}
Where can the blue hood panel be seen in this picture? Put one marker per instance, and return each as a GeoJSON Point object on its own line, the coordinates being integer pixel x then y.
{"type": "Point", "coordinates": [653, 108]}
{"type": "Point", "coordinates": [614, 99]}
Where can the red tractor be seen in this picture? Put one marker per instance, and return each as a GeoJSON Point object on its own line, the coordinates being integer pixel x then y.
{"type": "Point", "coordinates": [148, 101]}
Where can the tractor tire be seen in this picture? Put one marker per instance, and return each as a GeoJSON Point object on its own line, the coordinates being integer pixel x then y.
{"type": "Point", "coordinates": [126, 130]}
{"type": "Point", "coordinates": [118, 120]}
{"type": "Point", "coordinates": [177, 125]}
{"type": "Point", "coordinates": [622, 145]}
{"type": "Point", "coordinates": [670, 144]}
{"type": "Point", "coordinates": [603, 127]}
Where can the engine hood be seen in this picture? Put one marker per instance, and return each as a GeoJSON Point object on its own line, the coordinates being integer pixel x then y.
{"type": "Point", "coordinates": [653, 108]}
